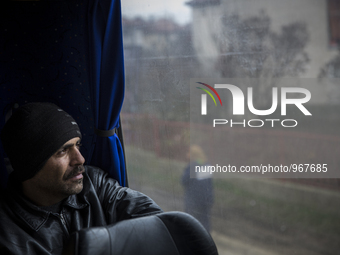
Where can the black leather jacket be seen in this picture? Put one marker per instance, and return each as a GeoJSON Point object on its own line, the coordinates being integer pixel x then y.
{"type": "Point", "coordinates": [27, 229]}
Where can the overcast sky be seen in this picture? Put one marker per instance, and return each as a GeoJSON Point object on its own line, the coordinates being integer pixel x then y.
{"type": "Point", "coordinates": [176, 9]}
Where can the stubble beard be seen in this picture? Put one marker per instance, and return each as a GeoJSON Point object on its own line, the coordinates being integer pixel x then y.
{"type": "Point", "coordinates": [76, 186]}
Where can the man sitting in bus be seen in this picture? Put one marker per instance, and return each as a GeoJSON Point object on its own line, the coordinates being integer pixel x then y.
{"type": "Point", "coordinates": [50, 193]}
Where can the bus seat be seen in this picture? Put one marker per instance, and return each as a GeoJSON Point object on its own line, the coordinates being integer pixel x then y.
{"type": "Point", "coordinates": [170, 233]}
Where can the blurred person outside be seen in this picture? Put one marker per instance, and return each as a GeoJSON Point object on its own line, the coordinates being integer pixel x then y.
{"type": "Point", "coordinates": [198, 189]}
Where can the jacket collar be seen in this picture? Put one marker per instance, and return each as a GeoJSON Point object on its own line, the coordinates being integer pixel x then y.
{"type": "Point", "coordinates": [33, 215]}
{"type": "Point", "coordinates": [74, 202]}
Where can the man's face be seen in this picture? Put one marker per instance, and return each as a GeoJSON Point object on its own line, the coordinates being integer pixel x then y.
{"type": "Point", "coordinates": [62, 176]}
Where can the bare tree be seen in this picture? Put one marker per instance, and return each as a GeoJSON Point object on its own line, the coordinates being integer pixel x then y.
{"type": "Point", "coordinates": [329, 77]}
{"type": "Point", "coordinates": [249, 48]}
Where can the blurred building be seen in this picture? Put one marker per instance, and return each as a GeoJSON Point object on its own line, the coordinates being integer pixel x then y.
{"type": "Point", "coordinates": [154, 37]}
{"type": "Point", "coordinates": [162, 57]}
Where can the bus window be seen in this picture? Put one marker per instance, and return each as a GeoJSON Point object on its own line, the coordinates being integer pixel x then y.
{"type": "Point", "coordinates": [256, 162]}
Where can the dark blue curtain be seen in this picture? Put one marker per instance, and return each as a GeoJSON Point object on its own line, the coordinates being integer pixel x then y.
{"type": "Point", "coordinates": [107, 84]}
{"type": "Point", "coordinates": [69, 53]}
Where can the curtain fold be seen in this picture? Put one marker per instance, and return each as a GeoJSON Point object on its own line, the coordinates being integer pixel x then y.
{"type": "Point", "coordinates": [3, 171]}
{"type": "Point", "coordinates": [106, 70]}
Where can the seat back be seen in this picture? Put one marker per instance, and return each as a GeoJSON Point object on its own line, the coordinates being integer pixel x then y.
{"type": "Point", "coordinates": [171, 233]}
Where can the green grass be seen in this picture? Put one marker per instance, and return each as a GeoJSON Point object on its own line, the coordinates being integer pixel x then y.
{"type": "Point", "coordinates": [264, 202]}
{"type": "Point", "coordinates": [292, 211]}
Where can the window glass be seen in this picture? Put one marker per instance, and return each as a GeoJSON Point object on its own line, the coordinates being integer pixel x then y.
{"type": "Point", "coordinates": [173, 50]}
{"type": "Point", "coordinates": [334, 22]}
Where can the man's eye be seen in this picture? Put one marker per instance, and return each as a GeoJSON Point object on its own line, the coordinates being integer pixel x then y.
{"type": "Point", "coordinates": [61, 152]}
{"type": "Point", "coordinates": [79, 145]}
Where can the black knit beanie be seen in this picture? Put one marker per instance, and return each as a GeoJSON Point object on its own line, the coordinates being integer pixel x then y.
{"type": "Point", "coordinates": [33, 134]}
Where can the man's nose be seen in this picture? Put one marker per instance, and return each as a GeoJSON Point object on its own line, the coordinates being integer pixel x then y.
{"type": "Point", "coordinates": [76, 157]}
